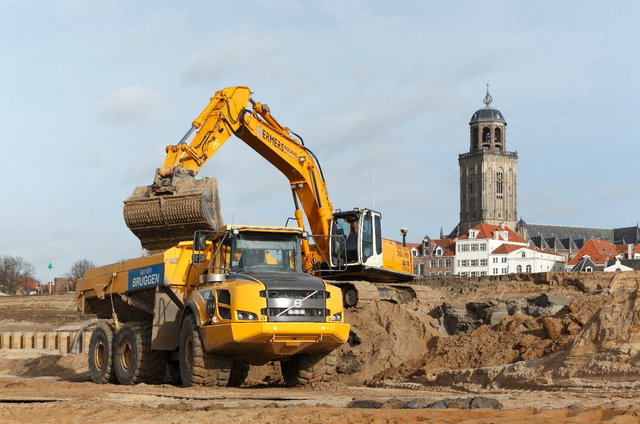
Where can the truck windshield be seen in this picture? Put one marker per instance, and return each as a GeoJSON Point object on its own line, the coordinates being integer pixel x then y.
{"type": "Point", "coordinates": [265, 252]}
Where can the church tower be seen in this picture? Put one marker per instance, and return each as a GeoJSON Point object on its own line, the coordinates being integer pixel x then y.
{"type": "Point", "coordinates": [487, 172]}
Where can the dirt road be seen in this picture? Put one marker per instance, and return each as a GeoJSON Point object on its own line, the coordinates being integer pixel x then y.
{"type": "Point", "coordinates": [52, 400]}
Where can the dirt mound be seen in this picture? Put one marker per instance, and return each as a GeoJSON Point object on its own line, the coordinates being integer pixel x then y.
{"type": "Point", "coordinates": [40, 363]}
{"type": "Point", "coordinates": [384, 336]}
{"type": "Point", "coordinates": [609, 344]}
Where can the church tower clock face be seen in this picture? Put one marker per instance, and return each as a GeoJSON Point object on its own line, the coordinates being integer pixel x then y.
{"type": "Point", "coordinates": [487, 172]}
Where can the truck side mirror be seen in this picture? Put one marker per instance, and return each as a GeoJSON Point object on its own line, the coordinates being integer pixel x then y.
{"type": "Point", "coordinates": [199, 242]}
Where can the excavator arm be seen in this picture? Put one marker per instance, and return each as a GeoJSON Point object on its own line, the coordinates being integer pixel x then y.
{"type": "Point", "coordinates": [173, 197]}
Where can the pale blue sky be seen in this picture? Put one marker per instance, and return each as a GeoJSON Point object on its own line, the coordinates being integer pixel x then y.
{"type": "Point", "coordinates": [93, 90]}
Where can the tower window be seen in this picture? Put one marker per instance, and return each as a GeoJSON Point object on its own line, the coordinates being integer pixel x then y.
{"type": "Point", "coordinates": [500, 184]}
{"type": "Point", "coordinates": [486, 137]}
{"type": "Point", "coordinates": [498, 139]}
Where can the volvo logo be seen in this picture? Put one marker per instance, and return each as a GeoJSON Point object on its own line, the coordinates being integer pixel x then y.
{"type": "Point", "coordinates": [297, 303]}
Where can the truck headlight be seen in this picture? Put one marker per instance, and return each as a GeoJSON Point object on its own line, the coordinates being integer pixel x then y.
{"type": "Point", "coordinates": [211, 306]}
{"type": "Point", "coordinates": [337, 317]}
{"type": "Point", "coordinates": [246, 316]}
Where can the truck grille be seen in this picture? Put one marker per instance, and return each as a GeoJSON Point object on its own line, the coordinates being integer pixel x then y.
{"type": "Point", "coordinates": [295, 312]}
{"type": "Point", "coordinates": [295, 294]}
{"type": "Point", "coordinates": [295, 305]}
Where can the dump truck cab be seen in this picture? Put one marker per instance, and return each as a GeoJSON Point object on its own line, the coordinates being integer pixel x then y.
{"type": "Point", "coordinates": [256, 301]}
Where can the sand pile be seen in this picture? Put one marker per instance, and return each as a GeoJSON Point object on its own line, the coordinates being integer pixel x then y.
{"type": "Point", "coordinates": [384, 336]}
{"type": "Point", "coordinates": [608, 346]}
{"type": "Point", "coordinates": [40, 363]}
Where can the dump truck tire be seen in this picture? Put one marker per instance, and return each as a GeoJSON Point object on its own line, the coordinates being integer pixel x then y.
{"type": "Point", "coordinates": [134, 360]}
{"type": "Point", "coordinates": [239, 373]}
{"type": "Point", "coordinates": [100, 355]}
{"type": "Point", "coordinates": [302, 369]}
{"type": "Point", "coordinates": [198, 367]}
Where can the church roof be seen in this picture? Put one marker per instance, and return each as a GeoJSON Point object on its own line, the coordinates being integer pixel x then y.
{"type": "Point", "coordinates": [487, 113]}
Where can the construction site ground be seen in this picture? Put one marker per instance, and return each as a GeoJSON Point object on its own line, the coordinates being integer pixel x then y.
{"type": "Point", "coordinates": [541, 348]}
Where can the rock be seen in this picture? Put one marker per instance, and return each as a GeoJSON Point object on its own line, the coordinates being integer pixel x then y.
{"type": "Point", "coordinates": [365, 404]}
{"type": "Point", "coordinates": [552, 327]}
{"type": "Point", "coordinates": [484, 402]}
{"type": "Point", "coordinates": [418, 403]}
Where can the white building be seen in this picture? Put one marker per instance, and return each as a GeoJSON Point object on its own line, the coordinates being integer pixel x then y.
{"type": "Point", "coordinates": [493, 250]}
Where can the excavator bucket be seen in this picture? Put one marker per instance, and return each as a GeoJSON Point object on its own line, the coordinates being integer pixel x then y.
{"type": "Point", "coordinates": [162, 221]}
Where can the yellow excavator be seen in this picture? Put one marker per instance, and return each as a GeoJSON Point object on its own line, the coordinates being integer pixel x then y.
{"type": "Point", "coordinates": [348, 245]}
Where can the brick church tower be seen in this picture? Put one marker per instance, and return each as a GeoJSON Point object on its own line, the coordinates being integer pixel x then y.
{"type": "Point", "coordinates": [487, 173]}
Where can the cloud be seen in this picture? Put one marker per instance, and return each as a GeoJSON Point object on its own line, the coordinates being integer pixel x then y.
{"type": "Point", "coordinates": [132, 104]}
{"type": "Point", "coordinates": [239, 55]}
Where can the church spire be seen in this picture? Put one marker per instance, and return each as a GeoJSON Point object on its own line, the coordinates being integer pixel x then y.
{"type": "Point", "coordinates": [487, 98]}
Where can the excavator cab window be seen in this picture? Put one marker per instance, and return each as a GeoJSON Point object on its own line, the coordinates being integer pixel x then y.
{"type": "Point", "coordinates": [367, 236]}
{"type": "Point", "coordinates": [348, 227]}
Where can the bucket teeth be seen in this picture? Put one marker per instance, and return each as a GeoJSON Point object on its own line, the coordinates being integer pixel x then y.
{"type": "Point", "coordinates": [161, 222]}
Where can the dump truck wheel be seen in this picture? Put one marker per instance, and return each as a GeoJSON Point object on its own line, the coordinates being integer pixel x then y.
{"type": "Point", "coordinates": [134, 360]}
{"type": "Point", "coordinates": [174, 373]}
{"type": "Point", "coordinates": [101, 355]}
{"type": "Point", "coordinates": [302, 369]}
{"type": "Point", "coordinates": [239, 373]}
{"type": "Point", "coordinates": [198, 367]}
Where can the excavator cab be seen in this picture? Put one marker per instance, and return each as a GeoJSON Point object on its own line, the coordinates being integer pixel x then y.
{"type": "Point", "coordinates": [359, 239]}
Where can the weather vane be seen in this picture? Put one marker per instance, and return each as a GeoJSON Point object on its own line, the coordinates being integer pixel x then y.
{"type": "Point", "coordinates": [487, 98]}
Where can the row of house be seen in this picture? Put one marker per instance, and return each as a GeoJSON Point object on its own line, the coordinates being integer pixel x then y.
{"type": "Point", "coordinates": [484, 250]}
{"type": "Point", "coordinates": [495, 250]}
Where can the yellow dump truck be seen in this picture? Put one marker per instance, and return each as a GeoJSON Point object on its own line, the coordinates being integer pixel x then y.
{"type": "Point", "coordinates": [204, 311]}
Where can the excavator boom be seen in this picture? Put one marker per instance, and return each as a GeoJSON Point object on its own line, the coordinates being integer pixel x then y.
{"type": "Point", "coordinates": [176, 204]}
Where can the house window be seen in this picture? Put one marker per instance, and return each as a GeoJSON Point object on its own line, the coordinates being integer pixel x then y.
{"type": "Point", "coordinates": [474, 274]}
{"type": "Point", "coordinates": [447, 263]}
{"type": "Point", "coordinates": [447, 273]}
{"type": "Point", "coordinates": [505, 270]}
{"type": "Point", "coordinates": [483, 247]}
{"type": "Point", "coordinates": [588, 269]}
{"type": "Point", "coordinates": [495, 260]}
{"type": "Point", "coordinates": [483, 273]}
{"type": "Point", "coordinates": [439, 263]}
{"type": "Point", "coordinates": [519, 269]}
{"type": "Point", "coordinates": [528, 269]}
{"type": "Point", "coordinates": [420, 269]}
{"type": "Point", "coordinates": [463, 274]}
{"type": "Point", "coordinates": [524, 255]}
{"type": "Point", "coordinates": [504, 260]}
{"type": "Point", "coordinates": [474, 262]}
{"type": "Point", "coordinates": [495, 270]}
{"type": "Point", "coordinates": [432, 263]}
{"type": "Point", "coordinates": [483, 262]}
{"type": "Point", "coordinates": [438, 251]}
{"type": "Point", "coordinates": [464, 262]}
{"type": "Point", "coordinates": [474, 247]}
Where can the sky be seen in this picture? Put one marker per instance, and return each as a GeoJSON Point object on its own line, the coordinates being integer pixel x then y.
{"type": "Point", "coordinates": [382, 92]}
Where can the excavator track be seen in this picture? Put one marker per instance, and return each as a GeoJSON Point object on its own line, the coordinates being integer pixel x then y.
{"type": "Point", "coordinates": [362, 293]}
{"type": "Point", "coordinates": [162, 221]}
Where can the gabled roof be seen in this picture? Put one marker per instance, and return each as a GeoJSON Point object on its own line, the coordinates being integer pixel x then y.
{"type": "Point", "coordinates": [487, 231]}
{"type": "Point", "coordinates": [448, 246]}
{"type": "Point", "coordinates": [586, 262]}
{"type": "Point", "coordinates": [508, 248]}
{"type": "Point", "coordinates": [598, 250]}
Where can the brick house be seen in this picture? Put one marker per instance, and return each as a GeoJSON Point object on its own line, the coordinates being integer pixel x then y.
{"type": "Point", "coordinates": [433, 257]}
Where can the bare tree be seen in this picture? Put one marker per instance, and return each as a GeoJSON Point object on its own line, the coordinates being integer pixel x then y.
{"type": "Point", "coordinates": [78, 268]}
{"type": "Point", "coordinates": [13, 271]}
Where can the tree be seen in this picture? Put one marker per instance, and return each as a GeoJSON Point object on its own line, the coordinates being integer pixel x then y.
{"type": "Point", "coordinates": [79, 267]}
{"type": "Point", "coordinates": [77, 271]}
{"type": "Point", "coordinates": [14, 270]}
